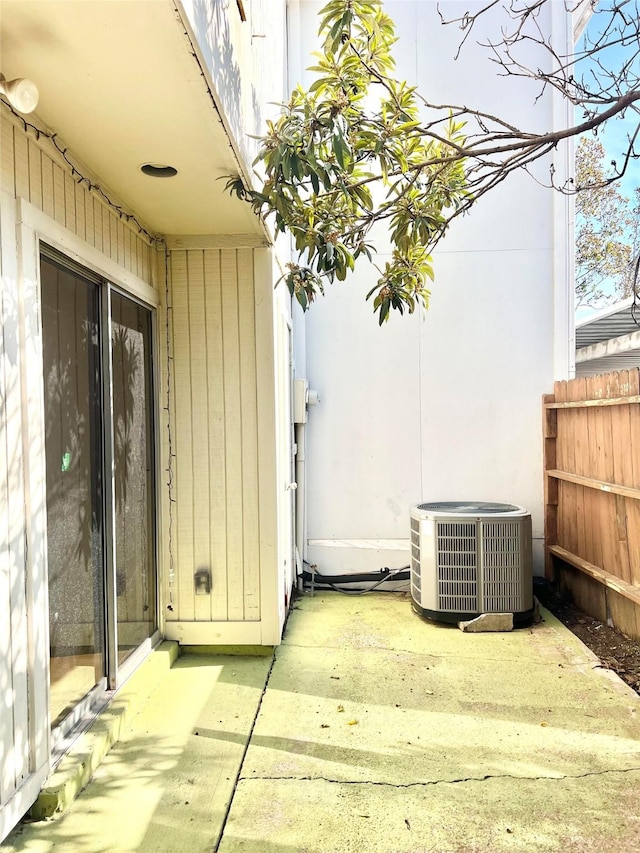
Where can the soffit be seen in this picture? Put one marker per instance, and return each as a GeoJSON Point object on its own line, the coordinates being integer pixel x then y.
{"type": "Point", "coordinates": [120, 85]}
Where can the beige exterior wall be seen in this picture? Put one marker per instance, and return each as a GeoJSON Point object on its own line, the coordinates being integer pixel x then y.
{"type": "Point", "coordinates": [216, 470]}
{"type": "Point", "coordinates": [33, 170]}
{"type": "Point", "coordinates": [220, 398]}
{"type": "Point", "coordinates": [213, 339]}
{"type": "Point", "coordinates": [222, 434]}
{"type": "Point", "coordinates": [216, 429]}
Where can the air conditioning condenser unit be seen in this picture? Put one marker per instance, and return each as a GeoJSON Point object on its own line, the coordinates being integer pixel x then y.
{"type": "Point", "coordinates": [469, 558]}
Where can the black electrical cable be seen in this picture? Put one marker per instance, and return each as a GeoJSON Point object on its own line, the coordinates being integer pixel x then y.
{"type": "Point", "coordinates": [320, 581]}
{"type": "Point", "coordinates": [359, 591]}
{"type": "Point", "coordinates": [356, 576]}
{"type": "Point", "coordinates": [368, 577]}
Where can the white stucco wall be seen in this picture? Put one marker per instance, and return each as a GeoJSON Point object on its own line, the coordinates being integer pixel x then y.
{"type": "Point", "coordinates": [447, 405]}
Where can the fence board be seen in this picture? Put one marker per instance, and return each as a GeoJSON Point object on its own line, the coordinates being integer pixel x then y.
{"type": "Point", "coordinates": [592, 453]}
{"type": "Point", "coordinates": [550, 435]}
{"type": "Point", "coordinates": [561, 456]}
{"type": "Point", "coordinates": [585, 531]}
{"type": "Point", "coordinates": [633, 507]}
{"type": "Point", "coordinates": [621, 439]}
{"type": "Point", "coordinates": [574, 464]}
{"type": "Point", "coordinates": [595, 436]}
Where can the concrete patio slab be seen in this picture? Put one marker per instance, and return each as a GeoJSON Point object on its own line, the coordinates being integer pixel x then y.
{"type": "Point", "coordinates": [380, 731]}
{"type": "Point", "coordinates": [377, 732]}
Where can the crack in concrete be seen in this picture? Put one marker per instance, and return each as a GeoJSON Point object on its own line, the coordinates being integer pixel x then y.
{"type": "Point", "coordinates": [433, 782]}
{"type": "Point", "coordinates": [244, 753]}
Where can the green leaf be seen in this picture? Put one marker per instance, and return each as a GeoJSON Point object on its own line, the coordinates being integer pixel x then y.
{"type": "Point", "coordinates": [384, 310]}
{"type": "Point", "coordinates": [372, 291]}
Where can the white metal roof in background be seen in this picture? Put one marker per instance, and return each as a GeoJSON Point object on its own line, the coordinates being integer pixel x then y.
{"type": "Point", "coordinates": [610, 322]}
{"type": "Point", "coordinates": [608, 340]}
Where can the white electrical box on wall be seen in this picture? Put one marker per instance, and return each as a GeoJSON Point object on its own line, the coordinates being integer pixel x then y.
{"type": "Point", "coordinates": [300, 394]}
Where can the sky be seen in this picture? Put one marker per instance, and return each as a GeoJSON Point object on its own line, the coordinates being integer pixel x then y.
{"type": "Point", "coordinates": [614, 134]}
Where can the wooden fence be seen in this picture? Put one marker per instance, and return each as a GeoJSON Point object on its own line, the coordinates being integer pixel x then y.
{"type": "Point", "coordinates": [592, 494]}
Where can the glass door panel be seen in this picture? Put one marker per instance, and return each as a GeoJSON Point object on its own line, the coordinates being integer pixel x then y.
{"type": "Point", "coordinates": [134, 473]}
{"type": "Point", "coordinates": [74, 462]}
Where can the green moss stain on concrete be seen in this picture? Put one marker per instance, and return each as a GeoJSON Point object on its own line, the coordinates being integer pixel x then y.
{"type": "Point", "coordinates": [81, 762]}
{"type": "Point", "coordinates": [166, 784]}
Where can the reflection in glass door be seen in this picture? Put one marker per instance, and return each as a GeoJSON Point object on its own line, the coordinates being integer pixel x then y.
{"type": "Point", "coordinates": [101, 532]}
{"type": "Point", "coordinates": [72, 389]}
{"type": "Point", "coordinates": [133, 458]}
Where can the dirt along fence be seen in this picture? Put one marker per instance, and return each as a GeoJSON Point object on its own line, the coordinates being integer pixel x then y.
{"type": "Point", "coordinates": [592, 494]}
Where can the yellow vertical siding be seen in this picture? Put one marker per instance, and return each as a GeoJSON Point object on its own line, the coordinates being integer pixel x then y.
{"type": "Point", "coordinates": [21, 164]}
{"type": "Point", "coordinates": [197, 333]}
{"type": "Point", "coordinates": [215, 434]}
{"type": "Point", "coordinates": [7, 164]}
{"type": "Point", "coordinates": [80, 219]}
{"type": "Point", "coordinates": [182, 544]}
{"type": "Point", "coordinates": [89, 221]}
{"type": "Point", "coordinates": [248, 403]}
{"type": "Point", "coordinates": [35, 175]}
{"type": "Point", "coordinates": [70, 203]}
{"type": "Point", "coordinates": [47, 186]}
{"type": "Point", "coordinates": [216, 431]}
{"type": "Point", "coordinates": [233, 431]}
{"type": "Point", "coordinates": [59, 207]}
{"type": "Point", "coordinates": [31, 169]}
{"type": "Point", "coordinates": [98, 211]}
{"type": "Point", "coordinates": [213, 396]}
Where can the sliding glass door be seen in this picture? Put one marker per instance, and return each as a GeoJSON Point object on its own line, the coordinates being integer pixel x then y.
{"type": "Point", "coordinates": [133, 466]}
{"type": "Point", "coordinates": [97, 360]}
{"type": "Point", "coordinates": [72, 386]}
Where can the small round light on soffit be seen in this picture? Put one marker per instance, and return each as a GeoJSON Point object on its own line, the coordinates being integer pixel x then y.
{"type": "Point", "coordinates": [158, 170]}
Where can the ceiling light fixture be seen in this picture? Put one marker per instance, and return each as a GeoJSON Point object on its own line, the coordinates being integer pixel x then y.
{"type": "Point", "coordinates": [22, 94]}
{"type": "Point", "coordinates": [155, 170]}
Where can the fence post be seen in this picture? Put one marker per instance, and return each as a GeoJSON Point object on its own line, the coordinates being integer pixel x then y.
{"type": "Point", "coordinates": [550, 434]}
